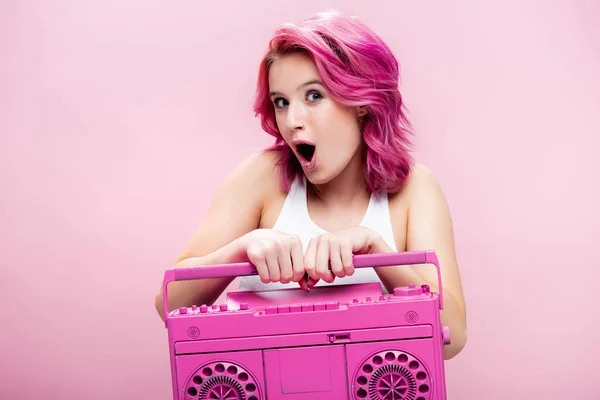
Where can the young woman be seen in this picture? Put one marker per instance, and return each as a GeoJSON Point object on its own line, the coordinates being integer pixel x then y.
{"type": "Point", "coordinates": [338, 180]}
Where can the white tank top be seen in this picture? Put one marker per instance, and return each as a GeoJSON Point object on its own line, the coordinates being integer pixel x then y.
{"type": "Point", "coordinates": [295, 219]}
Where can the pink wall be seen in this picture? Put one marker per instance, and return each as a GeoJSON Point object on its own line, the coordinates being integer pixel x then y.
{"type": "Point", "coordinates": [111, 121]}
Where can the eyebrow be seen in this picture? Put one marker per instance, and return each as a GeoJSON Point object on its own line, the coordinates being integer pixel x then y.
{"type": "Point", "coordinates": [314, 81]}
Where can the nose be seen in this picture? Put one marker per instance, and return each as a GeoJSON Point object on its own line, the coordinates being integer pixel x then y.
{"type": "Point", "coordinates": [295, 116]}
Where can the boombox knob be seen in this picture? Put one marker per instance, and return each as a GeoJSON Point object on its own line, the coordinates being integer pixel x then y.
{"type": "Point", "coordinates": [446, 334]}
{"type": "Point", "coordinates": [410, 290]}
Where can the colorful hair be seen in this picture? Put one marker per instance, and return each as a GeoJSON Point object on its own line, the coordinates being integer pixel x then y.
{"type": "Point", "coordinates": [358, 69]}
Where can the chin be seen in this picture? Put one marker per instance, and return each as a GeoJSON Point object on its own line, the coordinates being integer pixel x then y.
{"type": "Point", "coordinates": [318, 177]}
{"type": "Point", "coordinates": [315, 178]}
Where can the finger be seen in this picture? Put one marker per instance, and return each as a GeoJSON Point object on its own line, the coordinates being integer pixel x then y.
{"type": "Point", "coordinates": [304, 284]}
{"type": "Point", "coordinates": [285, 263]}
{"type": "Point", "coordinates": [336, 259]}
{"type": "Point", "coordinates": [347, 259]}
{"type": "Point", "coordinates": [312, 282]}
{"type": "Point", "coordinates": [271, 255]}
{"type": "Point", "coordinates": [310, 258]}
{"type": "Point", "coordinates": [322, 261]}
{"type": "Point", "coordinates": [257, 257]}
{"type": "Point", "coordinates": [297, 260]}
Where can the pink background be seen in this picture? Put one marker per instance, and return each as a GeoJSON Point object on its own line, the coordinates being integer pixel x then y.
{"type": "Point", "coordinates": [119, 119]}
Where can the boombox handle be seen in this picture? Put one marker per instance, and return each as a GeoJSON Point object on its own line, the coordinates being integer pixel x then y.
{"type": "Point", "coordinates": [246, 269]}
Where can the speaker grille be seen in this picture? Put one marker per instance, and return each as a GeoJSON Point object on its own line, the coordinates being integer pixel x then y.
{"type": "Point", "coordinates": [220, 380]}
{"type": "Point", "coordinates": [392, 375]}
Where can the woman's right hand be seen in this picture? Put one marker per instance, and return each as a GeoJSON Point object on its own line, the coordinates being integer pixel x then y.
{"type": "Point", "coordinates": [278, 257]}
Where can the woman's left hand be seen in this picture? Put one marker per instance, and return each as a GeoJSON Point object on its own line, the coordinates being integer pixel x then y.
{"type": "Point", "coordinates": [337, 249]}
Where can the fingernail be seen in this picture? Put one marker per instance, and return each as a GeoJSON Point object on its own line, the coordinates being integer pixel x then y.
{"type": "Point", "coordinates": [302, 284]}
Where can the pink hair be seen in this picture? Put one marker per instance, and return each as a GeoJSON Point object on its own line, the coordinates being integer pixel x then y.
{"type": "Point", "coordinates": [358, 69]}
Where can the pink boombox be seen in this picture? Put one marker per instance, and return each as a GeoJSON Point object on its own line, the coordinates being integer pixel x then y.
{"type": "Point", "coordinates": [334, 343]}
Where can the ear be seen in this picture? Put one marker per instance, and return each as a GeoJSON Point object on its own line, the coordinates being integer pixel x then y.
{"type": "Point", "coordinates": [361, 111]}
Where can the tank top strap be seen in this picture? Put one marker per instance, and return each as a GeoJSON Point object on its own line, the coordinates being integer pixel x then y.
{"type": "Point", "coordinates": [379, 219]}
{"type": "Point", "coordinates": [295, 208]}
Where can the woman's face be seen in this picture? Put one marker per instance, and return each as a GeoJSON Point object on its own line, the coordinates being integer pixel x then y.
{"type": "Point", "coordinates": [323, 134]}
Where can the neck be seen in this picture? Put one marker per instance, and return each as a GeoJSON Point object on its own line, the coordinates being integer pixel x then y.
{"type": "Point", "coordinates": [347, 188]}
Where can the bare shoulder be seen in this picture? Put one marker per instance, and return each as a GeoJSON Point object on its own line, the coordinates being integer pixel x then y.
{"type": "Point", "coordinates": [428, 220]}
{"type": "Point", "coordinates": [237, 206]}
{"type": "Point", "coordinates": [422, 184]}
{"type": "Point", "coordinates": [254, 178]}
{"type": "Point", "coordinates": [260, 167]}
{"type": "Point", "coordinates": [273, 194]}
{"type": "Point", "coordinates": [259, 182]}
{"type": "Point", "coordinates": [421, 191]}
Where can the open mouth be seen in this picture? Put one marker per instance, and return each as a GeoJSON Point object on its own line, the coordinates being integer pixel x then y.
{"type": "Point", "coordinates": [306, 151]}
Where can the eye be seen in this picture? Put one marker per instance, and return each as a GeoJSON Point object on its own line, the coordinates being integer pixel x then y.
{"type": "Point", "coordinates": [313, 95]}
{"type": "Point", "coordinates": [280, 102]}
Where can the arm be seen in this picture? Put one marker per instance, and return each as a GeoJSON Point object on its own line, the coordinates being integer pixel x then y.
{"type": "Point", "coordinates": [235, 211]}
{"type": "Point", "coordinates": [429, 227]}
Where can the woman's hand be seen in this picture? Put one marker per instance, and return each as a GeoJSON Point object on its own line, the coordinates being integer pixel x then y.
{"type": "Point", "coordinates": [337, 249]}
{"type": "Point", "coordinates": [277, 256]}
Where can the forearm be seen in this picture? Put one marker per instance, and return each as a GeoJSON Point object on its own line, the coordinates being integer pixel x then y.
{"type": "Point", "coordinates": [204, 291]}
{"type": "Point", "coordinates": [452, 315]}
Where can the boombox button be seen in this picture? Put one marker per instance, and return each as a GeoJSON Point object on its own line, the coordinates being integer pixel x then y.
{"type": "Point", "coordinates": [183, 310]}
{"type": "Point", "coordinates": [446, 334]}
{"type": "Point", "coordinates": [203, 308]}
{"type": "Point", "coordinates": [319, 306]}
{"type": "Point", "coordinates": [332, 305]}
{"type": "Point", "coordinates": [283, 309]}
{"type": "Point", "coordinates": [244, 306]}
{"type": "Point", "coordinates": [271, 310]}
{"type": "Point", "coordinates": [295, 308]}
{"type": "Point", "coordinates": [223, 307]}
{"type": "Point", "coordinates": [307, 307]}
